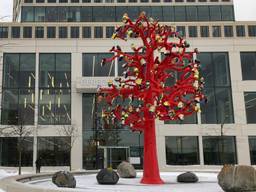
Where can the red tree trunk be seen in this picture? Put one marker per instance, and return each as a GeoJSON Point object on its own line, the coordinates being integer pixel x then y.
{"type": "Point", "coordinates": [150, 165]}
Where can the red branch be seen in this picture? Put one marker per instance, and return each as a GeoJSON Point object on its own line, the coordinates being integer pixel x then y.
{"type": "Point", "coordinates": [167, 89]}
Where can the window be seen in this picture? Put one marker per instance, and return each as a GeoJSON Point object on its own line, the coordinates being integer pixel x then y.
{"type": "Point", "coordinates": [203, 13]}
{"type": "Point", "coordinates": [39, 32]}
{"type": "Point", "coordinates": [250, 106]}
{"type": "Point", "coordinates": [182, 150]}
{"type": "Point", "coordinates": [64, 15]}
{"type": "Point", "coordinates": [92, 67]}
{"type": "Point", "coordinates": [51, 1]}
{"type": "Point", "coordinates": [215, 69]}
{"type": "Point", "coordinates": [227, 13]}
{"type": "Point", "coordinates": [192, 31]}
{"type": "Point", "coordinates": [74, 1]}
{"type": "Point", "coordinates": [87, 32]}
{"type": "Point", "coordinates": [54, 150]}
{"type": "Point", "coordinates": [15, 32]}
{"type": "Point", "coordinates": [4, 32]}
{"type": "Point", "coordinates": [215, 13]}
{"type": "Point", "coordinates": [252, 145]}
{"type": "Point", "coordinates": [27, 32]}
{"type": "Point", "coordinates": [109, 31]}
{"type": "Point", "coordinates": [180, 13]}
{"type": "Point", "coordinates": [252, 30]}
{"type": "Point", "coordinates": [204, 31]}
{"type": "Point", "coordinates": [111, 136]}
{"type": "Point", "coordinates": [216, 31]}
{"type": "Point", "coordinates": [51, 14]}
{"type": "Point", "coordinates": [157, 13]}
{"type": "Point", "coordinates": [120, 1]}
{"type": "Point", "coordinates": [86, 14]}
{"type": "Point", "coordinates": [51, 32]}
{"type": "Point", "coordinates": [39, 14]}
{"type": "Point", "coordinates": [18, 89]}
{"type": "Point", "coordinates": [28, 1]}
{"type": "Point", "coordinates": [228, 31]}
{"type": "Point", "coordinates": [240, 31]}
{"type": "Point", "coordinates": [86, 1]}
{"type": "Point", "coordinates": [168, 13]}
{"type": "Point", "coordinates": [219, 150]}
{"type": "Point", "coordinates": [54, 89]}
{"type": "Point", "coordinates": [248, 62]}
{"type": "Point", "coordinates": [74, 14]}
{"type": "Point", "coordinates": [63, 1]}
{"type": "Point", "coordinates": [75, 32]}
{"type": "Point", "coordinates": [181, 30]}
{"type": "Point", "coordinates": [63, 32]}
{"type": "Point", "coordinates": [40, 1]}
{"type": "Point", "coordinates": [27, 14]}
{"type": "Point", "coordinates": [9, 155]}
{"type": "Point", "coordinates": [114, 13]}
{"type": "Point", "coordinates": [191, 13]}
{"type": "Point", "coordinates": [98, 32]}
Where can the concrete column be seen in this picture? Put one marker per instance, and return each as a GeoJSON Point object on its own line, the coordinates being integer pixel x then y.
{"type": "Point", "coordinates": [243, 150]}
{"type": "Point", "coordinates": [237, 87]}
{"type": "Point", "coordinates": [201, 150]}
{"type": "Point", "coordinates": [160, 142]}
{"type": "Point", "coordinates": [35, 132]}
{"type": "Point", "coordinates": [76, 112]}
{"type": "Point", "coordinates": [1, 73]}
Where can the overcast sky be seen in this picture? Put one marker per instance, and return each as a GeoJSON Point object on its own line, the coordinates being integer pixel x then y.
{"type": "Point", "coordinates": [245, 10]}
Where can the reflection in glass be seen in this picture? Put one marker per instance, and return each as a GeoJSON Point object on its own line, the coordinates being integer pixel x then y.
{"type": "Point", "coordinates": [55, 89]}
{"type": "Point", "coordinates": [215, 70]}
{"type": "Point", "coordinates": [248, 62]}
{"type": "Point", "coordinates": [216, 31]}
{"type": "Point", "coordinates": [182, 150]}
{"type": "Point", "coordinates": [250, 106]}
{"type": "Point", "coordinates": [252, 145]}
{"type": "Point", "coordinates": [99, 134]}
{"type": "Point", "coordinates": [219, 150]}
{"type": "Point", "coordinates": [54, 151]}
{"type": "Point", "coordinates": [92, 67]}
{"type": "Point", "coordinates": [9, 156]}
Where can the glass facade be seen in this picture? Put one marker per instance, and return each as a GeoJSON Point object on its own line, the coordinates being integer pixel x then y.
{"type": "Point", "coordinates": [9, 155]}
{"type": "Point", "coordinates": [92, 67]}
{"type": "Point", "coordinates": [18, 96]}
{"type": "Point", "coordinates": [215, 70]}
{"type": "Point", "coordinates": [99, 135]}
{"type": "Point", "coordinates": [240, 31]}
{"type": "Point", "coordinates": [55, 88]}
{"type": "Point", "coordinates": [54, 151]}
{"type": "Point", "coordinates": [248, 64]}
{"type": "Point", "coordinates": [250, 106]}
{"type": "Point", "coordinates": [114, 13]}
{"type": "Point", "coordinates": [219, 150]}
{"type": "Point", "coordinates": [252, 145]}
{"type": "Point", "coordinates": [182, 150]}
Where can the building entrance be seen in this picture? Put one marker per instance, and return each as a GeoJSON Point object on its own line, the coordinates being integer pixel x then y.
{"type": "Point", "coordinates": [112, 156]}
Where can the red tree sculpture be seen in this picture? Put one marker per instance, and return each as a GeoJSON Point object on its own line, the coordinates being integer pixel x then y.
{"type": "Point", "coordinates": [147, 84]}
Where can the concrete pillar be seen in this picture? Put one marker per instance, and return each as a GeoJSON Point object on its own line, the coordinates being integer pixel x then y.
{"type": "Point", "coordinates": [35, 131]}
{"type": "Point", "coordinates": [243, 150]}
{"type": "Point", "coordinates": [76, 112]}
{"type": "Point", "coordinates": [201, 150]}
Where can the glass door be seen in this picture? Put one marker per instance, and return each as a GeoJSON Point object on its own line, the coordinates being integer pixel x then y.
{"type": "Point", "coordinates": [113, 156]}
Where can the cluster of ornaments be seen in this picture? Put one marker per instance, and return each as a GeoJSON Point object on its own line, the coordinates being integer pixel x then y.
{"type": "Point", "coordinates": [161, 78]}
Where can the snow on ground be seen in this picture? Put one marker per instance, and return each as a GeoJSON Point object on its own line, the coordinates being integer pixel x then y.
{"type": "Point", "coordinates": [6, 173]}
{"type": "Point", "coordinates": [88, 183]}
